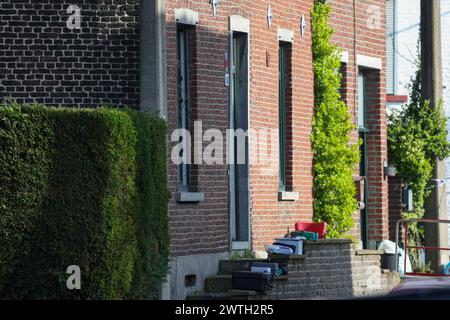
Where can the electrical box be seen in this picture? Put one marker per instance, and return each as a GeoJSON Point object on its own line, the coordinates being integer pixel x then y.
{"type": "Point", "coordinates": [408, 199]}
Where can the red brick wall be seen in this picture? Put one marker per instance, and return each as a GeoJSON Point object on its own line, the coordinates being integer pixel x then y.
{"type": "Point", "coordinates": [395, 205]}
{"type": "Point", "coordinates": [354, 33]}
{"type": "Point", "coordinates": [270, 217]}
{"type": "Point", "coordinates": [204, 227]}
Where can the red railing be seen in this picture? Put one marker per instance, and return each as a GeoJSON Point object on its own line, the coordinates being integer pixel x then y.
{"type": "Point", "coordinates": [405, 223]}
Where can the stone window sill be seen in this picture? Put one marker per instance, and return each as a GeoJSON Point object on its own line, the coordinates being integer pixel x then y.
{"type": "Point", "coordinates": [288, 196]}
{"type": "Point", "coordinates": [190, 197]}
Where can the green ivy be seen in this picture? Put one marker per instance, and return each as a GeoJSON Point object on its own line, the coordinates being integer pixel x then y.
{"type": "Point", "coordinates": [335, 157]}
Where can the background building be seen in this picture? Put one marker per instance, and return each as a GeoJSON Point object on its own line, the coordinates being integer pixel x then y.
{"type": "Point", "coordinates": [403, 32]}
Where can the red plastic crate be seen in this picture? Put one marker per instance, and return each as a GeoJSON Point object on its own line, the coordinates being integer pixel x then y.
{"type": "Point", "coordinates": [319, 227]}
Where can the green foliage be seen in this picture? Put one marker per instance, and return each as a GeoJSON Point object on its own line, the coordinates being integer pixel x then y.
{"type": "Point", "coordinates": [334, 157]}
{"type": "Point", "coordinates": [246, 254]}
{"type": "Point", "coordinates": [417, 136]}
{"type": "Point", "coordinates": [153, 219]}
{"type": "Point", "coordinates": [69, 196]}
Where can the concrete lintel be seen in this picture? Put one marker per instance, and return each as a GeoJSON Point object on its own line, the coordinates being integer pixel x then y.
{"type": "Point", "coordinates": [239, 24]}
{"type": "Point", "coordinates": [186, 16]}
{"type": "Point", "coordinates": [190, 197]}
{"type": "Point", "coordinates": [369, 62]}
{"type": "Point", "coordinates": [285, 35]}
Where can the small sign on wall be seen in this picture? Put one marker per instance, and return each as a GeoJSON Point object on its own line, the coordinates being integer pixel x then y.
{"type": "Point", "coordinates": [227, 79]}
{"type": "Point", "coordinates": [226, 65]}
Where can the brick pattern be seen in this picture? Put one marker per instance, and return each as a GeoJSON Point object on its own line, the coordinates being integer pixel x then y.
{"type": "Point", "coordinates": [204, 227]}
{"type": "Point", "coordinates": [378, 207]}
{"type": "Point", "coordinates": [43, 61]}
{"type": "Point", "coordinates": [270, 217]}
{"type": "Point", "coordinates": [355, 33]}
{"type": "Point", "coordinates": [200, 228]}
{"type": "Point", "coordinates": [395, 205]}
{"type": "Point", "coordinates": [334, 270]}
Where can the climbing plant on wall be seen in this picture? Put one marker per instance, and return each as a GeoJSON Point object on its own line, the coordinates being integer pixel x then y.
{"type": "Point", "coordinates": [335, 158]}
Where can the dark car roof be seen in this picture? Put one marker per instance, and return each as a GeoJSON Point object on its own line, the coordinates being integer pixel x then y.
{"type": "Point", "coordinates": [424, 282]}
{"type": "Point", "coordinates": [422, 288]}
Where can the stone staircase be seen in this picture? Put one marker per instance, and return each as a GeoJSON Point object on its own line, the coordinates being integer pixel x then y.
{"type": "Point", "coordinates": [328, 269]}
{"type": "Point", "coordinates": [219, 287]}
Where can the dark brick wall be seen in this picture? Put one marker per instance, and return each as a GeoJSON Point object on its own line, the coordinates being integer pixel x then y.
{"type": "Point", "coordinates": [43, 61]}
{"type": "Point", "coordinates": [395, 205]}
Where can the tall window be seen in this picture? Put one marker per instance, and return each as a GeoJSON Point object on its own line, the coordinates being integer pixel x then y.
{"type": "Point", "coordinates": [361, 101]}
{"type": "Point", "coordinates": [362, 128]}
{"type": "Point", "coordinates": [184, 101]}
{"type": "Point", "coordinates": [284, 102]}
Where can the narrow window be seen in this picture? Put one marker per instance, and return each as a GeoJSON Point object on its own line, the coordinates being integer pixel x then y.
{"type": "Point", "coordinates": [285, 94]}
{"type": "Point", "coordinates": [184, 102]}
{"type": "Point", "coordinates": [361, 101]}
{"type": "Point", "coordinates": [239, 116]}
{"type": "Point", "coordinates": [362, 128]}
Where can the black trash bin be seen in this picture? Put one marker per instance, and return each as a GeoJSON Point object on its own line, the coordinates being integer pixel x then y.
{"type": "Point", "coordinates": [388, 261]}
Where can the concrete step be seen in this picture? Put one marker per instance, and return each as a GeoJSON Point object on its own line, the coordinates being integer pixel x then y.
{"type": "Point", "coordinates": [243, 295]}
{"type": "Point", "coordinates": [247, 295]}
{"type": "Point", "coordinates": [219, 283]}
{"type": "Point", "coordinates": [211, 296]}
{"type": "Point", "coordinates": [230, 266]}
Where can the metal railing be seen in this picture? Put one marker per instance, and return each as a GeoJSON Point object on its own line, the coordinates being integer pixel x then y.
{"type": "Point", "coordinates": [405, 223]}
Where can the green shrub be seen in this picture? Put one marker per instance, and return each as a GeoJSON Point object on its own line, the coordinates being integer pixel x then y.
{"type": "Point", "coordinates": [152, 222]}
{"type": "Point", "coordinates": [335, 158]}
{"type": "Point", "coordinates": [417, 136]}
{"type": "Point", "coordinates": [69, 195]}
